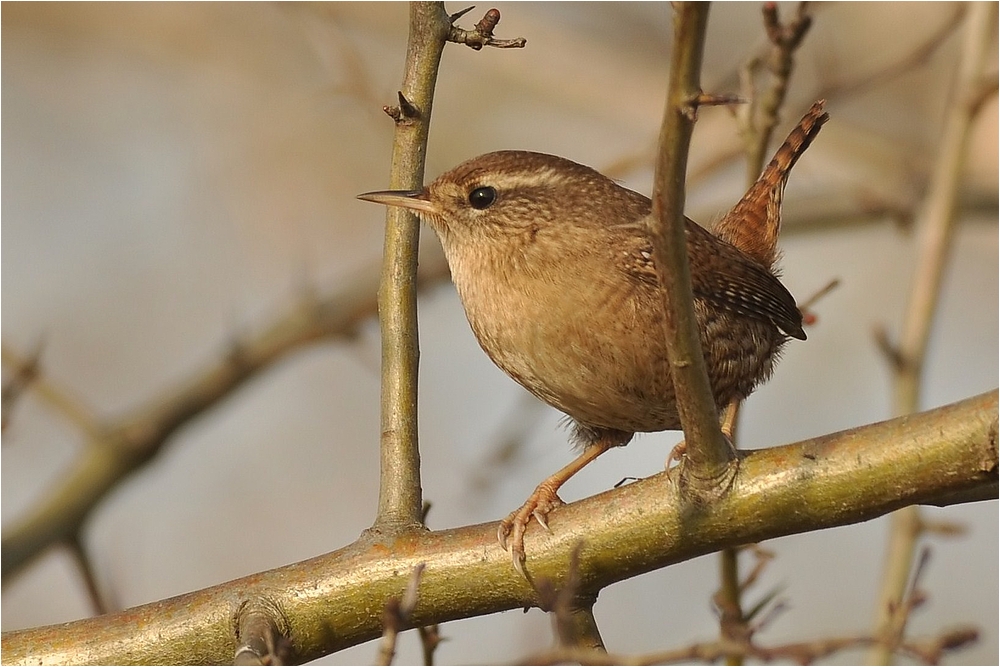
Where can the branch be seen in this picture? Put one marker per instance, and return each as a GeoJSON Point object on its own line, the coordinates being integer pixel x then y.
{"type": "Point", "coordinates": [804, 653]}
{"type": "Point", "coordinates": [758, 119]}
{"type": "Point", "coordinates": [123, 446]}
{"type": "Point", "coordinates": [27, 375]}
{"type": "Point", "coordinates": [399, 502]}
{"type": "Point", "coordinates": [482, 34]}
{"type": "Point", "coordinates": [396, 617]}
{"type": "Point", "coordinates": [934, 249]}
{"type": "Point", "coordinates": [335, 601]}
{"type": "Point", "coordinates": [708, 453]}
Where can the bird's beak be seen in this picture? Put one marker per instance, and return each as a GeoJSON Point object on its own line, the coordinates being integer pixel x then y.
{"type": "Point", "coordinates": [415, 200]}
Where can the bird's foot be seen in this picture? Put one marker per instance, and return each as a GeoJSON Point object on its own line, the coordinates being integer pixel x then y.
{"type": "Point", "coordinates": [510, 533]}
{"type": "Point", "coordinates": [676, 454]}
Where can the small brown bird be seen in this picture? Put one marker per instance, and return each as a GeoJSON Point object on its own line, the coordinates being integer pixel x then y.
{"type": "Point", "coordinates": [553, 264]}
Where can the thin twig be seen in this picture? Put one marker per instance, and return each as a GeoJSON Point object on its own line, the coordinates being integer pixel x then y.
{"type": "Point", "coordinates": [21, 378]}
{"type": "Point", "coordinates": [758, 119]}
{"type": "Point", "coordinates": [87, 571]}
{"type": "Point", "coordinates": [803, 653]}
{"type": "Point", "coordinates": [732, 625]}
{"type": "Point", "coordinates": [430, 639]}
{"type": "Point", "coordinates": [66, 405]}
{"type": "Point", "coordinates": [396, 617]}
{"type": "Point", "coordinates": [482, 34]}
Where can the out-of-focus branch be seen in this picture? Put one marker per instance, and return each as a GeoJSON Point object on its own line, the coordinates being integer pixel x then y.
{"type": "Point", "coordinates": [335, 601]}
{"type": "Point", "coordinates": [572, 614]}
{"type": "Point", "coordinates": [934, 239]}
{"type": "Point", "coordinates": [907, 62]}
{"type": "Point", "coordinates": [929, 651]}
{"type": "Point", "coordinates": [396, 617]}
{"type": "Point", "coordinates": [28, 375]}
{"type": "Point", "coordinates": [758, 119]}
{"type": "Point", "coordinates": [709, 455]}
{"type": "Point", "coordinates": [120, 447]}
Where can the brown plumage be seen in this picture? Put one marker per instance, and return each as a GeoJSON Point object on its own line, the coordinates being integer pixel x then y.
{"type": "Point", "coordinates": [552, 262]}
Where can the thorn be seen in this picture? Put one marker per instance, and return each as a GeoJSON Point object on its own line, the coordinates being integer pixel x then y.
{"type": "Point", "coordinates": [406, 107]}
{"type": "Point", "coordinates": [457, 15]}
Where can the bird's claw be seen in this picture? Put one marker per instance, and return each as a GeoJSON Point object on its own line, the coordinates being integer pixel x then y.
{"type": "Point", "coordinates": [676, 454]}
{"type": "Point", "coordinates": [510, 532]}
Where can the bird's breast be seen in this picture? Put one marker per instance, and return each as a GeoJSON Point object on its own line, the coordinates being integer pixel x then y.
{"type": "Point", "coordinates": [572, 335]}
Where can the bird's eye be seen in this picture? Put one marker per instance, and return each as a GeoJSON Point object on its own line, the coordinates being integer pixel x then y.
{"type": "Point", "coordinates": [481, 198]}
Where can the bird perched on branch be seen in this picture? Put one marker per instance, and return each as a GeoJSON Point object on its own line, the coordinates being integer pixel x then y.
{"type": "Point", "coordinates": [553, 264]}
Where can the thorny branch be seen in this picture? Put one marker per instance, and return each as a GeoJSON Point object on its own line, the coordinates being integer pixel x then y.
{"type": "Point", "coordinates": [399, 505]}
{"type": "Point", "coordinates": [399, 500]}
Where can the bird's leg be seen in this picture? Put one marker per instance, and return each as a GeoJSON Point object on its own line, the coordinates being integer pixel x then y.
{"type": "Point", "coordinates": [729, 416]}
{"type": "Point", "coordinates": [542, 501]}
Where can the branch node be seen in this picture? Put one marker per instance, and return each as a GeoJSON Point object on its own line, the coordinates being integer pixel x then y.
{"type": "Point", "coordinates": [482, 34]}
{"type": "Point", "coordinates": [890, 350]}
{"type": "Point", "coordinates": [262, 632]}
{"type": "Point", "coordinates": [405, 113]}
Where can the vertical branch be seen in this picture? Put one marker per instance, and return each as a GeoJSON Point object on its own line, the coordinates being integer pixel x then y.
{"type": "Point", "coordinates": [708, 453]}
{"type": "Point", "coordinates": [933, 250]}
{"type": "Point", "coordinates": [730, 605]}
{"type": "Point", "coordinates": [756, 122]}
{"type": "Point", "coordinates": [400, 501]}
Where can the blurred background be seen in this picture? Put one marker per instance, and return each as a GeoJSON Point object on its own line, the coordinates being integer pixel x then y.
{"type": "Point", "coordinates": [175, 174]}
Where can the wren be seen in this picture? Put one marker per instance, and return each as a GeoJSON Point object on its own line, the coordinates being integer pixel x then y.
{"type": "Point", "coordinates": [553, 265]}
